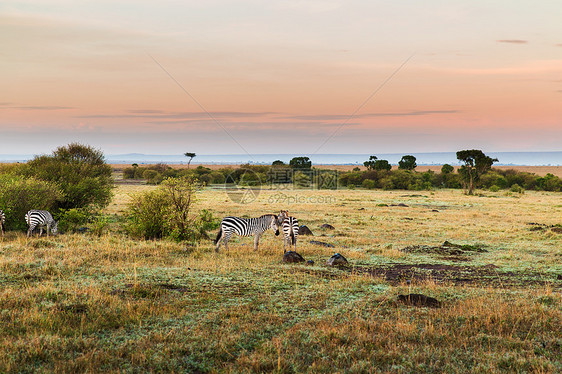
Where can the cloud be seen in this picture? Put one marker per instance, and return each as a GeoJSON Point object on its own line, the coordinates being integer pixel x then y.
{"type": "Point", "coordinates": [158, 114]}
{"type": "Point", "coordinates": [43, 107]}
{"type": "Point", "coordinates": [513, 41]}
{"type": "Point", "coordinates": [334, 117]}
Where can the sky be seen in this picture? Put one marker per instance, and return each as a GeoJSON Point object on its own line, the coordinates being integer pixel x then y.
{"type": "Point", "coordinates": [295, 77]}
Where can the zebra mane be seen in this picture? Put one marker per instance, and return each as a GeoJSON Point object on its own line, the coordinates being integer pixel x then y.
{"type": "Point", "coordinates": [269, 215]}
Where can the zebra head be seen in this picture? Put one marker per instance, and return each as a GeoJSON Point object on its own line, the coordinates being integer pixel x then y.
{"type": "Point", "coordinates": [283, 215]}
{"type": "Point", "coordinates": [55, 228]}
{"type": "Point", "coordinates": [275, 224]}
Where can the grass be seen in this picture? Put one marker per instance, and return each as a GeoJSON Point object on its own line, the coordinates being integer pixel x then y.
{"type": "Point", "coordinates": [77, 303]}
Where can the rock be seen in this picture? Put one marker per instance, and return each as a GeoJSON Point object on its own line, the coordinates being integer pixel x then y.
{"type": "Point", "coordinates": [327, 227]}
{"type": "Point", "coordinates": [416, 299]}
{"type": "Point", "coordinates": [292, 257]}
{"type": "Point", "coordinates": [310, 262]}
{"type": "Point", "coordinates": [361, 209]}
{"type": "Point", "coordinates": [304, 230]}
{"type": "Point", "coordinates": [336, 260]}
{"type": "Point", "coordinates": [327, 245]}
{"type": "Point", "coordinates": [400, 204]}
{"type": "Point", "coordinates": [557, 229]}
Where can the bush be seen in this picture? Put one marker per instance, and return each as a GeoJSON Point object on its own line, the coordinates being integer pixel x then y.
{"type": "Point", "coordinates": [368, 184]}
{"type": "Point", "coordinates": [495, 188]}
{"type": "Point", "coordinates": [517, 188]}
{"type": "Point", "coordinates": [549, 182]}
{"type": "Point", "coordinates": [302, 180]}
{"type": "Point", "coordinates": [73, 219]}
{"type": "Point", "coordinates": [19, 194]}
{"type": "Point", "coordinates": [167, 213]}
{"type": "Point", "coordinates": [129, 173]}
{"type": "Point", "coordinates": [79, 171]}
{"type": "Point", "coordinates": [152, 176]}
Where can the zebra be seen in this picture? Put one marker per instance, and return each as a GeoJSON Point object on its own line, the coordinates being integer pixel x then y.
{"type": "Point", "coordinates": [290, 227]}
{"type": "Point", "coordinates": [246, 227]}
{"type": "Point", "coordinates": [40, 218]}
{"type": "Point", "coordinates": [2, 220]}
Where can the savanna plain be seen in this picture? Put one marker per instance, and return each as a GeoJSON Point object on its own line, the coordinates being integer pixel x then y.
{"type": "Point", "coordinates": [108, 303]}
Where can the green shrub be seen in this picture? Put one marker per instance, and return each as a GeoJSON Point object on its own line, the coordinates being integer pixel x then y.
{"type": "Point", "coordinates": [494, 188]}
{"type": "Point", "coordinates": [549, 182]}
{"type": "Point", "coordinates": [152, 176]}
{"type": "Point", "coordinates": [79, 171]}
{"type": "Point", "coordinates": [301, 179]}
{"type": "Point", "coordinates": [129, 173]}
{"type": "Point", "coordinates": [167, 213]}
{"type": "Point", "coordinates": [517, 188]}
{"type": "Point", "coordinates": [217, 177]}
{"type": "Point", "coordinates": [368, 184]}
{"type": "Point", "coordinates": [73, 219]}
{"type": "Point", "coordinates": [19, 194]}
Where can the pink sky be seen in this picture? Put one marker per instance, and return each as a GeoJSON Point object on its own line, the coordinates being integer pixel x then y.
{"type": "Point", "coordinates": [280, 76]}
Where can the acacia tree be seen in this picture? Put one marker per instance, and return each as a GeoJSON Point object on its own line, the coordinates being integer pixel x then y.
{"type": "Point", "coordinates": [407, 162]}
{"type": "Point", "coordinates": [382, 165]}
{"type": "Point", "coordinates": [190, 155]}
{"type": "Point", "coordinates": [447, 169]}
{"type": "Point", "coordinates": [370, 165]}
{"type": "Point", "coordinates": [300, 163]}
{"type": "Point", "coordinates": [476, 163]}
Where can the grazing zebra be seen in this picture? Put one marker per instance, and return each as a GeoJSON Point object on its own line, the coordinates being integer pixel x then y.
{"type": "Point", "coordinates": [40, 218]}
{"type": "Point", "coordinates": [290, 227]}
{"type": "Point", "coordinates": [246, 227]}
{"type": "Point", "coordinates": [2, 220]}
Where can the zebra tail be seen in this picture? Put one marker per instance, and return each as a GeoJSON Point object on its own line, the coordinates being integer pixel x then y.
{"type": "Point", "coordinates": [218, 235]}
{"type": "Point", "coordinates": [293, 238]}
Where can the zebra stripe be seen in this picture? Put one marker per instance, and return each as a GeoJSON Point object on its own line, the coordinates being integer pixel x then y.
{"type": "Point", "coordinates": [40, 218]}
{"type": "Point", "coordinates": [290, 232]}
{"type": "Point", "coordinates": [2, 220]}
{"type": "Point", "coordinates": [246, 227]}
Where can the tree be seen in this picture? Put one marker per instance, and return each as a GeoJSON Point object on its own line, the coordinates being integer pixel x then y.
{"type": "Point", "coordinates": [300, 163]}
{"type": "Point", "coordinates": [278, 163]}
{"type": "Point", "coordinates": [476, 163]}
{"type": "Point", "coordinates": [190, 155]}
{"type": "Point", "coordinates": [382, 165]}
{"type": "Point", "coordinates": [370, 165]}
{"type": "Point", "coordinates": [407, 162]}
{"type": "Point", "coordinates": [79, 171]}
{"type": "Point", "coordinates": [447, 169]}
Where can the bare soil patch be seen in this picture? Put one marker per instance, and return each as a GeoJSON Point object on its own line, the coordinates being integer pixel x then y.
{"type": "Point", "coordinates": [487, 275]}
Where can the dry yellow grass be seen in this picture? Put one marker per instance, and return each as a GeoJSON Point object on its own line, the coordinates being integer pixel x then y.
{"type": "Point", "coordinates": [77, 303]}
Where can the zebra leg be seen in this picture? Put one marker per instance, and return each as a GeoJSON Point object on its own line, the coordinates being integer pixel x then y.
{"type": "Point", "coordinates": [219, 243]}
{"type": "Point", "coordinates": [256, 241]}
{"type": "Point", "coordinates": [48, 229]}
{"type": "Point", "coordinates": [226, 237]}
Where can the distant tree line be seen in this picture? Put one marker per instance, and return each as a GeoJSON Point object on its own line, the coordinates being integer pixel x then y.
{"type": "Point", "coordinates": [476, 171]}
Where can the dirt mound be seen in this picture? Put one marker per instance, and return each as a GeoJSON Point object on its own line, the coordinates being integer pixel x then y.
{"type": "Point", "coordinates": [543, 227]}
{"type": "Point", "coordinates": [477, 275]}
{"type": "Point", "coordinates": [450, 251]}
{"type": "Point", "coordinates": [416, 299]}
